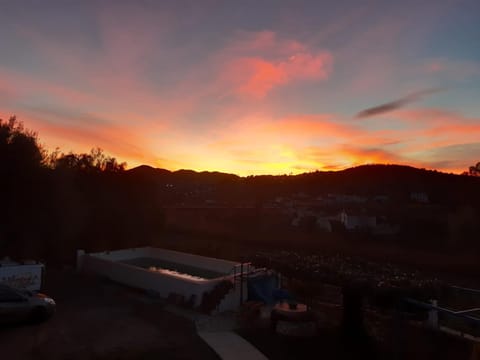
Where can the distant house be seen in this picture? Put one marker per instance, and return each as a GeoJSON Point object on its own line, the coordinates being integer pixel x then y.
{"type": "Point", "coordinates": [358, 222]}
{"type": "Point", "coordinates": [420, 197]}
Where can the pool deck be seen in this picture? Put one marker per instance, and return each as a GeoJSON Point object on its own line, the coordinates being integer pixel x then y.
{"type": "Point", "coordinates": [230, 346]}
{"type": "Point", "coordinates": [217, 332]}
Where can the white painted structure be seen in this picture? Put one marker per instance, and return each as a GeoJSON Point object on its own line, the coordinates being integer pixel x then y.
{"type": "Point", "coordinates": [21, 276]}
{"type": "Point", "coordinates": [111, 265]}
{"type": "Point", "coordinates": [357, 222]}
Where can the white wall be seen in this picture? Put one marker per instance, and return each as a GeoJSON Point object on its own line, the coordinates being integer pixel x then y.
{"type": "Point", "coordinates": [148, 280]}
{"type": "Point", "coordinates": [22, 276]}
{"type": "Point", "coordinates": [108, 264]}
{"type": "Point", "coordinates": [231, 301]}
{"type": "Point", "coordinates": [213, 264]}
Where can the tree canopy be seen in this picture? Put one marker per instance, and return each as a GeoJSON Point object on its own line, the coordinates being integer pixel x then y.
{"type": "Point", "coordinates": [95, 161]}
{"type": "Point", "coordinates": [474, 170]}
{"type": "Point", "coordinates": [53, 203]}
{"type": "Point", "coordinates": [20, 150]}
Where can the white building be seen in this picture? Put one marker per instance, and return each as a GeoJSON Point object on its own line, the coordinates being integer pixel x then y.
{"type": "Point", "coordinates": [27, 275]}
{"type": "Point", "coordinates": [358, 222]}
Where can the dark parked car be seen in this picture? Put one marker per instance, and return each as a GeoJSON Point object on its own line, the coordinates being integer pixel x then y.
{"type": "Point", "coordinates": [22, 305]}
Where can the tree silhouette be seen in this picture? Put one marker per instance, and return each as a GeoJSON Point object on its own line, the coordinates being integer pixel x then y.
{"type": "Point", "coordinates": [19, 148]}
{"type": "Point", "coordinates": [95, 161]}
{"type": "Point", "coordinates": [20, 151]}
{"type": "Point", "coordinates": [49, 200]}
{"type": "Point", "coordinates": [473, 170]}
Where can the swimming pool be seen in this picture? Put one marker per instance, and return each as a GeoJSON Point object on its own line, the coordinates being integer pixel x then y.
{"type": "Point", "coordinates": [166, 272]}
{"type": "Point", "coordinates": [173, 268]}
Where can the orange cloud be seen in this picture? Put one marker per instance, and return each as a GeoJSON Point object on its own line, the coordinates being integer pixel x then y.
{"type": "Point", "coordinates": [260, 144]}
{"type": "Point", "coordinates": [360, 156]}
{"type": "Point", "coordinates": [438, 127]}
{"type": "Point", "coordinates": [85, 131]}
{"type": "Point", "coordinates": [340, 157]}
{"type": "Point", "coordinates": [298, 143]}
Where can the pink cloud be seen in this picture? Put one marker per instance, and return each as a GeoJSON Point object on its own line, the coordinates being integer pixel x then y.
{"type": "Point", "coordinates": [21, 85]}
{"type": "Point", "coordinates": [117, 69]}
{"type": "Point", "coordinates": [259, 62]}
{"type": "Point", "coordinates": [453, 70]}
{"type": "Point", "coordinates": [264, 42]}
{"type": "Point", "coordinates": [434, 67]}
{"type": "Point", "coordinates": [440, 123]}
{"type": "Point", "coordinates": [424, 131]}
{"type": "Point", "coordinates": [256, 77]}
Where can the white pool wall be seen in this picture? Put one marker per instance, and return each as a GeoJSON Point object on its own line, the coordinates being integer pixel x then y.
{"type": "Point", "coordinates": [109, 264]}
{"type": "Point", "coordinates": [203, 262]}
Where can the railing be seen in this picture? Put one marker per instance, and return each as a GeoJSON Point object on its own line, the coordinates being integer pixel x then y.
{"type": "Point", "coordinates": [466, 290]}
{"type": "Point", "coordinates": [248, 272]}
{"type": "Point", "coordinates": [455, 322]}
{"type": "Point", "coordinates": [241, 272]}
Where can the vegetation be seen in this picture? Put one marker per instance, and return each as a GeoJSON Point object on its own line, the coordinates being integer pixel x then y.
{"type": "Point", "coordinates": [473, 170]}
{"type": "Point", "coordinates": [53, 203]}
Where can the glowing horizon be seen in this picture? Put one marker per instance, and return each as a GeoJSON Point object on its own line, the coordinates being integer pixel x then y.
{"type": "Point", "coordinates": [247, 88]}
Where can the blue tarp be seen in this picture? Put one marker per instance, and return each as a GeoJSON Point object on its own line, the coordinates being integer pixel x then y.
{"type": "Point", "coordinates": [265, 288]}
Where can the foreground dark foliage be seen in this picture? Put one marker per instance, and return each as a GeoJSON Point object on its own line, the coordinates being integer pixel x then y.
{"type": "Point", "coordinates": [53, 204]}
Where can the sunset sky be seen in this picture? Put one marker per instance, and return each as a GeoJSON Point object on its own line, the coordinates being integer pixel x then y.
{"type": "Point", "coordinates": [248, 87]}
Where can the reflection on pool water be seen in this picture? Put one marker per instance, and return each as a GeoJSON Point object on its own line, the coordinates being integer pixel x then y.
{"type": "Point", "coordinates": [175, 273]}
{"type": "Point", "coordinates": [173, 268]}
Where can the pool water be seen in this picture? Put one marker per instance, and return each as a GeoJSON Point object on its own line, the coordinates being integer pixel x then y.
{"type": "Point", "coordinates": [187, 271]}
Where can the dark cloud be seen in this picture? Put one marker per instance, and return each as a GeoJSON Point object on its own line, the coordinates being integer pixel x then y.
{"type": "Point", "coordinates": [396, 104]}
